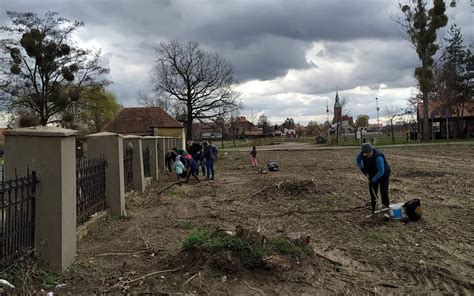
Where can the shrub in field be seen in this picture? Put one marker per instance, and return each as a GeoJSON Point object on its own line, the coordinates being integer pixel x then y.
{"type": "Point", "coordinates": [249, 247]}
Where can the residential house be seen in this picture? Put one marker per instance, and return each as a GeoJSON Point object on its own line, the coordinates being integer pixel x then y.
{"type": "Point", "coordinates": [288, 132]}
{"type": "Point", "coordinates": [146, 121]}
{"type": "Point", "coordinates": [447, 120]}
{"type": "Point", "coordinates": [247, 129]}
{"type": "Point", "coordinates": [207, 130]}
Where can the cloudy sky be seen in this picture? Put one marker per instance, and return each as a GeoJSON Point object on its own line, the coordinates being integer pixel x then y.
{"type": "Point", "coordinates": [290, 57]}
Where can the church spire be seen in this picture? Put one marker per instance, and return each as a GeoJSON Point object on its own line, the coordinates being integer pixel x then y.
{"type": "Point", "coordinates": [337, 103]}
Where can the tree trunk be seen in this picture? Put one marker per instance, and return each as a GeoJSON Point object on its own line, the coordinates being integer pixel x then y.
{"type": "Point", "coordinates": [391, 126]}
{"type": "Point", "coordinates": [189, 122]}
{"type": "Point", "coordinates": [222, 136]}
{"type": "Point", "coordinates": [426, 122]}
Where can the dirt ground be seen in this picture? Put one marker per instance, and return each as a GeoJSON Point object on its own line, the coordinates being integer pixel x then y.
{"type": "Point", "coordinates": [316, 192]}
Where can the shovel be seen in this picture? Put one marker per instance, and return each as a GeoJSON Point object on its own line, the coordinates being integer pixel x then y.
{"type": "Point", "coordinates": [379, 211]}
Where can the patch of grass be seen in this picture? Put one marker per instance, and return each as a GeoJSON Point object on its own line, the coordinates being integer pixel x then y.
{"type": "Point", "coordinates": [51, 279]}
{"type": "Point", "coordinates": [207, 239]}
{"type": "Point", "coordinates": [286, 247]}
{"type": "Point", "coordinates": [196, 239]}
{"type": "Point", "coordinates": [254, 256]}
{"type": "Point", "coordinates": [226, 242]}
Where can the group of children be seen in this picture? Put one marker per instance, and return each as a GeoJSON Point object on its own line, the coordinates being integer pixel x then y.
{"type": "Point", "coordinates": [186, 162]}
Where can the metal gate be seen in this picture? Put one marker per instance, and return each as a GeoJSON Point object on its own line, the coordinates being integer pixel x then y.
{"type": "Point", "coordinates": [17, 213]}
{"type": "Point", "coordinates": [128, 169]}
{"type": "Point", "coordinates": [90, 188]}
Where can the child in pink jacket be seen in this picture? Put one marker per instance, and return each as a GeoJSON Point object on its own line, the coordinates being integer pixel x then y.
{"type": "Point", "coordinates": [253, 156]}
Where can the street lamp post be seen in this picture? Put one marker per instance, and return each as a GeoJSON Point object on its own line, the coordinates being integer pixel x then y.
{"type": "Point", "coordinates": [327, 115]}
{"type": "Point", "coordinates": [378, 109]}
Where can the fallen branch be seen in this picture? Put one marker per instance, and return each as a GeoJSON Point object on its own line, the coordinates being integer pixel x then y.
{"type": "Point", "coordinates": [144, 241]}
{"type": "Point", "coordinates": [169, 186]}
{"type": "Point", "coordinates": [328, 259]}
{"type": "Point", "coordinates": [255, 289]}
{"type": "Point", "coordinates": [119, 254]}
{"type": "Point", "coordinates": [123, 283]}
{"type": "Point", "coordinates": [152, 273]}
{"type": "Point", "coordinates": [190, 279]}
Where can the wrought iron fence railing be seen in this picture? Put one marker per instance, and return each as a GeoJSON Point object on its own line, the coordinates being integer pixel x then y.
{"type": "Point", "coordinates": [128, 169]}
{"type": "Point", "coordinates": [146, 162]}
{"type": "Point", "coordinates": [17, 213]}
{"type": "Point", "coordinates": [90, 188]}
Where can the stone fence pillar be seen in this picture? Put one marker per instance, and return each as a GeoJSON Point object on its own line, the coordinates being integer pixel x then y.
{"type": "Point", "coordinates": [162, 149]}
{"type": "Point", "coordinates": [110, 147]}
{"type": "Point", "coordinates": [138, 174]}
{"type": "Point", "coordinates": [51, 152]}
{"type": "Point", "coordinates": [152, 143]}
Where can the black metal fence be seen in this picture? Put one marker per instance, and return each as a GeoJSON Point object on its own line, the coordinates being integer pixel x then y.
{"type": "Point", "coordinates": [146, 162]}
{"type": "Point", "coordinates": [128, 169]}
{"type": "Point", "coordinates": [17, 213]}
{"type": "Point", "coordinates": [90, 188]}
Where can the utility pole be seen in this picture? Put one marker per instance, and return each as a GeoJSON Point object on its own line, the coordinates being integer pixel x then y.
{"type": "Point", "coordinates": [378, 109]}
{"type": "Point", "coordinates": [327, 115]}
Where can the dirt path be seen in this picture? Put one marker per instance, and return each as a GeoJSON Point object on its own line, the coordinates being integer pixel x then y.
{"type": "Point", "coordinates": [323, 195]}
{"type": "Point", "coordinates": [286, 146]}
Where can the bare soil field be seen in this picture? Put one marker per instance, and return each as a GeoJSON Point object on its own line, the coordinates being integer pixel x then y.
{"type": "Point", "coordinates": [320, 193]}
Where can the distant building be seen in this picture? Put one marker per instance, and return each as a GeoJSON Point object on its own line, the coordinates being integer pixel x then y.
{"type": "Point", "coordinates": [345, 122]}
{"type": "Point", "coordinates": [247, 129]}
{"type": "Point", "coordinates": [288, 132]}
{"type": "Point", "coordinates": [145, 121]}
{"type": "Point", "coordinates": [446, 118]}
{"type": "Point", "coordinates": [207, 130]}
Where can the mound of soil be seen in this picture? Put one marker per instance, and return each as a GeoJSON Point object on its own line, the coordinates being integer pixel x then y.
{"type": "Point", "coordinates": [244, 249]}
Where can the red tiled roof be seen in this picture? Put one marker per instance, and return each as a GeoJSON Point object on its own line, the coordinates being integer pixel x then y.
{"type": "Point", "coordinates": [434, 109]}
{"type": "Point", "coordinates": [141, 120]}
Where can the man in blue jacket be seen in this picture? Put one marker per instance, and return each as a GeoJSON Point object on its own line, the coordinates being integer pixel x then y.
{"type": "Point", "coordinates": [373, 164]}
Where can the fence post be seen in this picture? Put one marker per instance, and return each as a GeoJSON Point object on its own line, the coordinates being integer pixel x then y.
{"type": "Point", "coordinates": [152, 144]}
{"type": "Point", "coordinates": [51, 152]}
{"type": "Point", "coordinates": [138, 175]}
{"type": "Point", "coordinates": [161, 154]}
{"type": "Point", "coordinates": [110, 147]}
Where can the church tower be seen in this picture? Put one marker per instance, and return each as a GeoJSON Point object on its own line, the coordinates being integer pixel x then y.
{"type": "Point", "coordinates": [337, 109]}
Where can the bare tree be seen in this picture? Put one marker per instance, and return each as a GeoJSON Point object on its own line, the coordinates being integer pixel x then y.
{"type": "Point", "coordinates": [153, 100]}
{"type": "Point", "coordinates": [200, 81]}
{"type": "Point", "coordinates": [392, 113]}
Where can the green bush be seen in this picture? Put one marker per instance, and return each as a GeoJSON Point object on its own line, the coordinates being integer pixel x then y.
{"type": "Point", "coordinates": [196, 238]}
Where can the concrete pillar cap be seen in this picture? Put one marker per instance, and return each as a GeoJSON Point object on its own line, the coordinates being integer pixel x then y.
{"type": "Point", "coordinates": [41, 131]}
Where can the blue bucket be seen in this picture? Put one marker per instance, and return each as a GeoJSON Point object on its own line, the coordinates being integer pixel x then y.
{"type": "Point", "coordinates": [397, 211]}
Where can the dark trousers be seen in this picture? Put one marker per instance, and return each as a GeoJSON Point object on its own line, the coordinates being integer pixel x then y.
{"type": "Point", "coordinates": [384, 182]}
{"type": "Point", "coordinates": [203, 166]}
{"type": "Point", "coordinates": [210, 168]}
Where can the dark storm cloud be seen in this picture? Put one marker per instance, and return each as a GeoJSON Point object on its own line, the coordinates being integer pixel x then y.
{"type": "Point", "coordinates": [264, 39]}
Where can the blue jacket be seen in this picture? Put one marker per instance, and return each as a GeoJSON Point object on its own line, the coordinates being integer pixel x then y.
{"type": "Point", "coordinates": [376, 166]}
